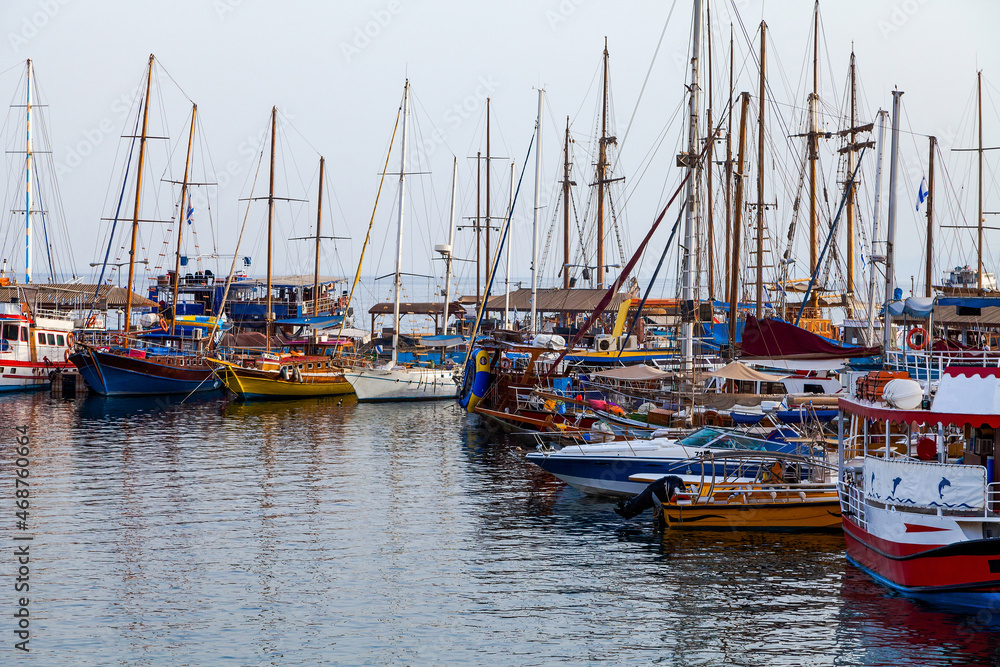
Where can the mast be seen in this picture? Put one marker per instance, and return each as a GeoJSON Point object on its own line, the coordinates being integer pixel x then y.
{"type": "Point", "coordinates": [602, 169]}
{"type": "Point", "coordinates": [451, 247]}
{"type": "Point", "coordinates": [729, 165]}
{"type": "Point", "coordinates": [506, 275]}
{"type": "Point", "coordinates": [691, 213]}
{"type": "Point", "coordinates": [709, 160]}
{"type": "Point", "coordinates": [27, 178]}
{"type": "Point", "coordinates": [270, 227]}
{"type": "Point", "coordinates": [566, 184]}
{"type": "Point", "coordinates": [138, 193]}
{"type": "Point", "coordinates": [479, 226]}
{"type": "Point", "coordinates": [537, 208]}
{"type": "Point", "coordinates": [182, 218]}
{"type": "Point", "coordinates": [890, 234]}
{"type": "Point", "coordinates": [814, 155]}
{"type": "Point", "coordinates": [397, 280]}
{"type": "Point", "coordinates": [319, 219]}
{"type": "Point", "coordinates": [929, 268]}
{"type": "Point", "coordinates": [876, 218]}
{"type": "Point", "coordinates": [734, 270]}
{"type": "Point", "coordinates": [852, 193]}
{"type": "Point", "coordinates": [760, 178]}
{"type": "Point", "coordinates": [489, 220]}
{"type": "Point", "coordinates": [979, 245]}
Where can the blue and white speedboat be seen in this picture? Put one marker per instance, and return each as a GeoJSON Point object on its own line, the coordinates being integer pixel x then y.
{"type": "Point", "coordinates": [604, 469]}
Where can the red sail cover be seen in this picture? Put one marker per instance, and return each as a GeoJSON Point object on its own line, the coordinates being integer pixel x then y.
{"type": "Point", "coordinates": [776, 338]}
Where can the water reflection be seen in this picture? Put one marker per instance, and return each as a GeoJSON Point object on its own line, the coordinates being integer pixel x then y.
{"type": "Point", "coordinates": [303, 532]}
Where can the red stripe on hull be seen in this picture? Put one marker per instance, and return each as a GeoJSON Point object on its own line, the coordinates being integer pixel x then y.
{"type": "Point", "coordinates": [903, 564]}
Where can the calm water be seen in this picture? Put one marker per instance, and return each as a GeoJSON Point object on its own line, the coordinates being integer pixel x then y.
{"type": "Point", "coordinates": [317, 533]}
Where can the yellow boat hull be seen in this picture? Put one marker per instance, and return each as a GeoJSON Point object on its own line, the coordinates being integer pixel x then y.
{"type": "Point", "coordinates": [252, 384]}
{"type": "Point", "coordinates": [819, 512]}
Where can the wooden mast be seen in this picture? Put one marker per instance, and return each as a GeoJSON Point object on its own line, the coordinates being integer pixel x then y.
{"type": "Point", "coordinates": [734, 270]}
{"type": "Point", "coordinates": [319, 220]}
{"type": "Point", "coordinates": [479, 226]}
{"type": "Point", "coordinates": [814, 156]}
{"type": "Point", "coordinates": [929, 268]}
{"type": "Point", "coordinates": [760, 178]}
{"type": "Point", "coordinates": [979, 247]}
{"type": "Point", "coordinates": [852, 190]}
{"type": "Point", "coordinates": [566, 183]}
{"type": "Point", "coordinates": [181, 219]}
{"type": "Point", "coordinates": [489, 221]}
{"type": "Point", "coordinates": [270, 228]}
{"type": "Point", "coordinates": [709, 160]}
{"type": "Point", "coordinates": [138, 193]}
{"type": "Point", "coordinates": [729, 166]}
{"type": "Point", "coordinates": [602, 166]}
{"type": "Point", "coordinates": [28, 154]}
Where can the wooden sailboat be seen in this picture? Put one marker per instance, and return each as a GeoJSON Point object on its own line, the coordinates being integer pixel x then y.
{"type": "Point", "coordinates": [124, 364]}
{"type": "Point", "coordinates": [392, 381]}
{"type": "Point", "coordinates": [298, 374]}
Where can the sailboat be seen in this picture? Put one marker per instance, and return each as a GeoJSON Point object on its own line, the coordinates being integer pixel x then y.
{"type": "Point", "coordinates": [301, 373]}
{"type": "Point", "coordinates": [125, 364]}
{"type": "Point", "coordinates": [32, 347]}
{"type": "Point", "coordinates": [393, 381]}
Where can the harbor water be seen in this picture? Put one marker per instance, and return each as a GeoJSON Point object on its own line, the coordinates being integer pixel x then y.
{"type": "Point", "coordinates": [326, 532]}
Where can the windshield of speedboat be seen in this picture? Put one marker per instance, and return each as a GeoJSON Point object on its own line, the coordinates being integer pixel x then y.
{"type": "Point", "coordinates": [718, 439]}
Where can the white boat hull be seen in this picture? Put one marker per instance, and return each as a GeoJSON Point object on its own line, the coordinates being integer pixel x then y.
{"type": "Point", "coordinates": [402, 384]}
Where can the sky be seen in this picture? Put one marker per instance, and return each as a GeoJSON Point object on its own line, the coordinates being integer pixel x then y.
{"type": "Point", "coordinates": [335, 71]}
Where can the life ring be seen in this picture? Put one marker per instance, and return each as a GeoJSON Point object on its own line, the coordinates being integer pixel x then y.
{"type": "Point", "coordinates": [504, 363]}
{"type": "Point", "coordinates": [117, 339]}
{"type": "Point", "coordinates": [923, 338]}
{"type": "Point", "coordinates": [91, 322]}
{"type": "Point", "coordinates": [163, 325]}
{"type": "Point", "coordinates": [70, 340]}
{"type": "Point", "coordinates": [476, 381]}
{"type": "Point", "coordinates": [66, 354]}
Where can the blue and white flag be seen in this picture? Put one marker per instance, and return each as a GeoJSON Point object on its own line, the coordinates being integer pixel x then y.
{"type": "Point", "coordinates": [922, 192]}
{"type": "Point", "coordinates": [190, 213]}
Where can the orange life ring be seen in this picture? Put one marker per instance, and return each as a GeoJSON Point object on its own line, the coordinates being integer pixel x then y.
{"type": "Point", "coordinates": [91, 322]}
{"type": "Point", "coordinates": [117, 339]}
{"type": "Point", "coordinates": [923, 340]}
{"type": "Point", "coordinates": [66, 355]}
{"type": "Point", "coordinates": [70, 340]}
{"type": "Point", "coordinates": [504, 362]}
{"type": "Point", "coordinates": [163, 325]}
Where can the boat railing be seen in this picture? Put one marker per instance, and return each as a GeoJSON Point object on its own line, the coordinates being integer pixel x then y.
{"type": "Point", "coordinates": [924, 365]}
{"type": "Point", "coordinates": [993, 498]}
{"type": "Point", "coordinates": [852, 503]}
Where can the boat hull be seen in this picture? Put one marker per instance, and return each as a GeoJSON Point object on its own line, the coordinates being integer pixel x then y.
{"type": "Point", "coordinates": [118, 375]}
{"type": "Point", "coordinates": [964, 573]}
{"type": "Point", "coordinates": [402, 384]}
{"type": "Point", "coordinates": [251, 385]}
{"type": "Point", "coordinates": [820, 513]}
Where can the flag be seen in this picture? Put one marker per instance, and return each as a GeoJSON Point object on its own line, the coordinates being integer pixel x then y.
{"type": "Point", "coordinates": [921, 192]}
{"type": "Point", "coordinates": [190, 212]}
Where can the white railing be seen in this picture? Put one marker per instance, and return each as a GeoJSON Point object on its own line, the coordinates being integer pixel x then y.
{"type": "Point", "coordinates": [993, 498]}
{"type": "Point", "coordinates": [923, 365]}
{"type": "Point", "coordinates": [852, 503]}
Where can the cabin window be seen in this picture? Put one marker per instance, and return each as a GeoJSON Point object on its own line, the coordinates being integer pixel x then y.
{"type": "Point", "coordinates": [52, 339]}
{"type": "Point", "coordinates": [41, 339]}
{"type": "Point", "coordinates": [812, 388]}
{"type": "Point", "coordinates": [24, 334]}
{"type": "Point", "coordinates": [10, 332]}
{"type": "Point", "coordinates": [60, 340]}
{"type": "Point", "coordinates": [1, 369]}
{"type": "Point", "coordinates": [309, 366]}
{"type": "Point", "coordinates": [13, 371]}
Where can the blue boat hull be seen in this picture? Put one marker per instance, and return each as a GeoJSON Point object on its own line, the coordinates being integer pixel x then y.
{"type": "Point", "coordinates": [118, 375]}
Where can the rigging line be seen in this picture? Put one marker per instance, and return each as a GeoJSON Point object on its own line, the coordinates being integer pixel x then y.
{"type": "Point", "coordinates": [656, 272]}
{"type": "Point", "coordinates": [642, 89]}
{"type": "Point", "coordinates": [371, 221]}
{"type": "Point", "coordinates": [498, 252]}
{"type": "Point", "coordinates": [121, 197]}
